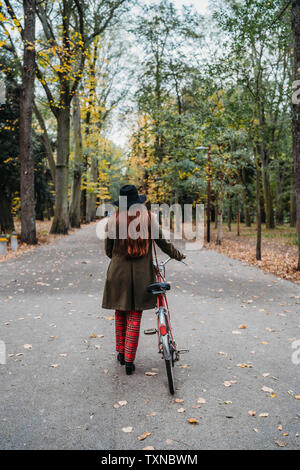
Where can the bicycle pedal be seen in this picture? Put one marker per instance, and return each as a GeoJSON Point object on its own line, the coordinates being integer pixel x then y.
{"type": "Point", "coordinates": [151, 331]}
{"type": "Point", "coordinates": [183, 351]}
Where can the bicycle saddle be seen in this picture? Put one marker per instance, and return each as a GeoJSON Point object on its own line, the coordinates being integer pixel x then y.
{"type": "Point", "coordinates": [158, 287]}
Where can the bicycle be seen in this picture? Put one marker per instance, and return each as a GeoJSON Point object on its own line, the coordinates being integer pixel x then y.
{"type": "Point", "coordinates": [166, 343]}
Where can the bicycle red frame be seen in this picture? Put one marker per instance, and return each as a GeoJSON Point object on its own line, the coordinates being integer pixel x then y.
{"type": "Point", "coordinates": [161, 301]}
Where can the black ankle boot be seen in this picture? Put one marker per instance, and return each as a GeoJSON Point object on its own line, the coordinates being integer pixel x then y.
{"type": "Point", "coordinates": [121, 358]}
{"type": "Point", "coordinates": [130, 367]}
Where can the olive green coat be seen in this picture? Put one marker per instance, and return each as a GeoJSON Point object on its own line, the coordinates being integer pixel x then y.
{"type": "Point", "coordinates": [127, 279]}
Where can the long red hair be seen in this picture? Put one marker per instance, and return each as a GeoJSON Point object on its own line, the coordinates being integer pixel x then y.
{"type": "Point", "coordinates": [133, 248]}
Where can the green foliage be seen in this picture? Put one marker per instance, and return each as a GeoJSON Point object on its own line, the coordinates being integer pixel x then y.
{"type": "Point", "coordinates": [238, 102]}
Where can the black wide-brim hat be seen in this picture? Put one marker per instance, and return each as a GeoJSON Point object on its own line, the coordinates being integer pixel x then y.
{"type": "Point", "coordinates": [132, 195]}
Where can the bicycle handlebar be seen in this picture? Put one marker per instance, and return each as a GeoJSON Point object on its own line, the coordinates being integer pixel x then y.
{"type": "Point", "coordinates": [163, 263]}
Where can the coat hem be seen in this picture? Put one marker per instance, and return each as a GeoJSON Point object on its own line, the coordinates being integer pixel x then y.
{"type": "Point", "coordinates": [137, 309]}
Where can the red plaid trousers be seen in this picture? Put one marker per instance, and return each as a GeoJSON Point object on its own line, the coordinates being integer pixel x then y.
{"type": "Point", "coordinates": [127, 333]}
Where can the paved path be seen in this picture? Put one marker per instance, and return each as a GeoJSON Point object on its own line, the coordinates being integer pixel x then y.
{"type": "Point", "coordinates": [50, 299]}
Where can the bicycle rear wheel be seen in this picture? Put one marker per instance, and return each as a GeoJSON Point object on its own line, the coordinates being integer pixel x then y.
{"type": "Point", "coordinates": [167, 349]}
{"type": "Point", "coordinates": [170, 375]}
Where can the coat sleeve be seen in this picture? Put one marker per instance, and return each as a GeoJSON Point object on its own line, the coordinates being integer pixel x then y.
{"type": "Point", "coordinates": [108, 244]}
{"type": "Point", "coordinates": [166, 246]}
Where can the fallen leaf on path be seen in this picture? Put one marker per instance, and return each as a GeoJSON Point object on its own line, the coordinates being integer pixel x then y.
{"type": "Point", "coordinates": [252, 413]}
{"type": "Point", "coordinates": [150, 374]}
{"type": "Point", "coordinates": [201, 400]}
{"type": "Point", "coordinates": [28, 346]}
{"type": "Point", "coordinates": [181, 410]}
{"type": "Point", "coordinates": [178, 400]}
{"type": "Point", "coordinates": [54, 366]}
{"type": "Point", "coordinates": [148, 448]}
{"type": "Point", "coordinates": [144, 436]}
{"type": "Point", "coordinates": [127, 429]}
{"type": "Point", "coordinates": [122, 402]}
{"type": "Point", "coordinates": [267, 389]}
{"type": "Point", "coordinates": [193, 421]}
{"type": "Point", "coordinates": [228, 383]}
{"type": "Point", "coordinates": [263, 415]}
{"type": "Point", "coordinates": [280, 443]}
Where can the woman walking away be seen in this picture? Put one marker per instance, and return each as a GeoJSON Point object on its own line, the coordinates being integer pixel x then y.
{"type": "Point", "coordinates": [130, 234]}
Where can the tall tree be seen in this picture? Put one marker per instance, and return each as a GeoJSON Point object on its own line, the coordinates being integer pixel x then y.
{"type": "Point", "coordinates": [296, 112]}
{"type": "Point", "coordinates": [66, 41]}
{"type": "Point", "coordinates": [28, 230]}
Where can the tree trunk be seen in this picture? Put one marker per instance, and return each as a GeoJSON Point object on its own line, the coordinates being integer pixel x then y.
{"type": "Point", "coordinates": [296, 114]}
{"type": "Point", "coordinates": [92, 194]}
{"type": "Point", "coordinates": [216, 212]}
{"type": "Point", "coordinates": [76, 183]}
{"type": "Point", "coordinates": [292, 207]}
{"type": "Point", "coordinates": [229, 216]}
{"type": "Point", "coordinates": [220, 222]}
{"type": "Point", "coordinates": [258, 207]}
{"type": "Point", "coordinates": [60, 222]}
{"type": "Point", "coordinates": [279, 201]}
{"type": "Point", "coordinates": [91, 101]}
{"type": "Point", "coordinates": [270, 221]}
{"type": "Point", "coordinates": [83, 201]}
{"type": "Point", "coordinates": [6, 219]}
{"type": "Point", "coordinates": [28, 230]}
{"type": "Point", "coordinates": [268, 202]}
{"type": "Point", "coordinates": [245, 198]}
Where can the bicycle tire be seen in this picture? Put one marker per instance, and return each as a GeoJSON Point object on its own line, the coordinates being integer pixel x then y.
{"type": "Point", "coordinates": [168, 361]}
{"type": "Point", "coordinates": [172, 351]}
{"type": "Point", "coordinates": [170, 375]}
